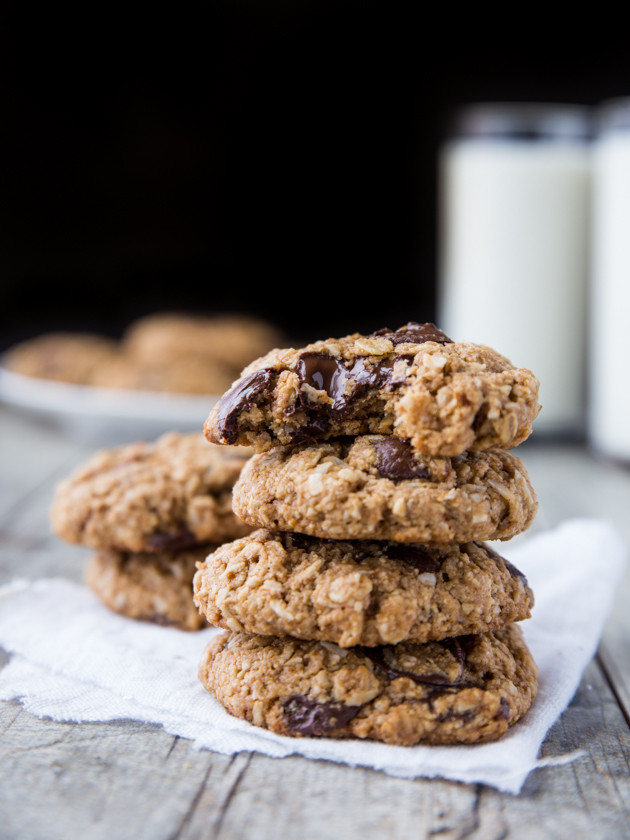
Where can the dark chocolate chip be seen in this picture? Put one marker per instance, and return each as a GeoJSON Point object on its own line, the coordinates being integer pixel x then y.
{"type": "Point", "coordinates": [464, 717]}
{"type": "Point", "coordinates": [303, 542]}
{"type": "Point", "coordinates": [324, 373]}
{"type": "Point", "coordinates": [414, 333]}
{"type": "Point", "coordinates": [414, 556]}
{"type": "Point", "coordinates": [308, 717]}
{"type": "Point", "coordinates": [514, 572]}
{"type": "Point", "coordinates": [382, 657]}
{"type": "Point", "coordinates": [239, 398]}
{"type": "Point", "coordinates": [504, 710]}
{"type": "Point", "coordinates": [171, 541]}
{"type": "Point", "coordinates": [396, 460]}
{"type": "Point", "coordinates": [317, 426]}
{"type": "Point", "coordinates": [370, 375]}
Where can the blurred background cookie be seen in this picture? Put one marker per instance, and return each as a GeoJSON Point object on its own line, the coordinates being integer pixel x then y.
{"type": "Point", "coordinates": [62, 356]}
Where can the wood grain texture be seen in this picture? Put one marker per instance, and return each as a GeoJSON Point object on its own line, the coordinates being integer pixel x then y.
{"type": "Point", "coordinates": [129, 780]}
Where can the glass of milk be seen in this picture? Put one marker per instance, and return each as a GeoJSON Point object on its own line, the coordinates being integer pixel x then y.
{"type": "Point", "coordinates": [514, 182]}
{"type": "Point", "coordinates": [609, 354]}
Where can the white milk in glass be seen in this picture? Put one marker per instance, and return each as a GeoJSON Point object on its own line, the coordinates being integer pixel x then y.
{"type": "Point", "coordinates": [514, 245]}
{"type": "Point", "coordinates": [609, 357]}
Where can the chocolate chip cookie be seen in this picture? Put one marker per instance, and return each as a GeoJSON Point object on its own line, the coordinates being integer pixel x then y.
{"type": "Point", "coordinates": [377, 487]}
{"type": "Point", "coordinates": [461, 690]}
{"type": "Point", "coordinates": [166, 495]}
{"type": "Point", "coordinates": [444, 397]}
{"type": "Point", "coordinates": [360, 592]}
{"type": "Point", "coordinates": [153, 587]}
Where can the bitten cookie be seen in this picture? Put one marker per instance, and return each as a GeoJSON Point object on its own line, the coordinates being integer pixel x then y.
{"type": "Point", "coordinates": [360, 592]}
{"type": "Point", "coordinates": [460, 690]}
{"type": "Point", "coordinates": [163, 496]}
{"type": "Point", "coordinates": [148, 587]}
{"type": "Point", "coordinates": [376, 487]}
{"type": "Point", "coordinates": [414, 382]}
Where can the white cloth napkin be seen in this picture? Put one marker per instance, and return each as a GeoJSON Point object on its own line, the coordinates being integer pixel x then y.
{"type": "Point", "coordinates": [73, 660]}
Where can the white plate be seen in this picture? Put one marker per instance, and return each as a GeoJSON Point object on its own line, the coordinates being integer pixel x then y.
{"type": "Point", "coordinates": [105, 413]}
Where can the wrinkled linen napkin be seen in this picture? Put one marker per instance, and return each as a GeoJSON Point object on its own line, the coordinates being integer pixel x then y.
{"type": "Point", "coordinates": [73, 660]}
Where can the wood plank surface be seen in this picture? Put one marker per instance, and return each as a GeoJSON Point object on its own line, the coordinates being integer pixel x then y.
{"type": "Point", "coordinates": [128, 780]}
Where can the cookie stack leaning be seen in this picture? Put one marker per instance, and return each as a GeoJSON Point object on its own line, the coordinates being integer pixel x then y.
{"type": "Point", "coordinates": [366, 604]}
{"type": "Point", "coordinates": [151, 511]}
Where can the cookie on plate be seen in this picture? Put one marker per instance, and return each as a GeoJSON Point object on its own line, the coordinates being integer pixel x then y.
{"type": "Point", "coordinates": [166, 337]}
{"type": "Point", "coordinates": [358, 592]}
{"type": "Point", "coordinates": [166, 495]}
{"type": "Point", "coordinates": [61, 356]}
{"type": "Point", "coordinates": [377, 487]}
{"type": "Point", "coordinates": [445, 397]}
{"type": "Point", "coordinates": [461, 690]}
{"type": "Point", "coordinates": [153, 587]}
{"type": "Point", "coordinates": [179, 376]}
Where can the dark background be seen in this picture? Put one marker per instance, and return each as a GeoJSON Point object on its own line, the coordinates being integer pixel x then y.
{"type": "Point", "coordinates": [277, 158]}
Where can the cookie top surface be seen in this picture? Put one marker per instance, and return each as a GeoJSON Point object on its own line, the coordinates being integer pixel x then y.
{"type": "Point", "coordinates": [165, 495]}
{"type": "Point", "coordinates": [414, 382]}
{"type": "Point", "coordinates": [358, 593]}
{"type": "Point", "coordinates": [461, 690]}
{"type": "Point", "coordinates": [155, 587]}
{"type": "Point", "coordinates": [376, 487]}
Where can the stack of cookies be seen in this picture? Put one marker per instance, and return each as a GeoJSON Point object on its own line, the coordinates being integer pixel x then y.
{"type": "Point", "coordinates": [366, 604]}
{"type": "Point", "coordinates": [151, 511]}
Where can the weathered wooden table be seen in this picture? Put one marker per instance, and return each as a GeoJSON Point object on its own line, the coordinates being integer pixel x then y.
{"type": "Point", "coordinates": [129, 780]}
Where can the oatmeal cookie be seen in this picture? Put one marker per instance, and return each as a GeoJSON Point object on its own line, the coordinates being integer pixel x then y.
{"type": "Point", "coordinates": [456, 691]}
{"type": "Point", "coordinates": [360, 592]}
{"type": "Point", "coordinates": [166, 495]}
{"type": "Point", "coordinates": [376, 487]}
{"type": "Point", "coordinates": [61, 356]}
{"type": "Point", "coordinates": [414, 382]}
{"type": "Point", "coordinates": [153, 587]}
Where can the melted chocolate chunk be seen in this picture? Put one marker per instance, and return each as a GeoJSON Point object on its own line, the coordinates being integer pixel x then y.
{"type": "Point", "coordinates": [382, 658]}
{"type": "Point", "coordinates": [342, 384]}
{"type": "Point", "coordinates": [370, 376]}
{"type": "Point", "coordinates": [240, 398]}
{"type": "Point", "coordinates": [514, 572]}
{"type": "Point", "coordinates": [396, 461]}
{"type": "Point", "coordinates": [414, 333]}
{"type": "Point", "coordinates": [311, 718]}
{"type": "Point", "coordinates": [324, 373]}
{"type": "Point", "coordinates": [172, 541]}
{"type": "Point", "coordinates": [414, 556]}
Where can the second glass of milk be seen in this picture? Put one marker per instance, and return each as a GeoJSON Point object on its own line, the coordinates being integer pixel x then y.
{"type": "Point", "coordinates": [514, 231]}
